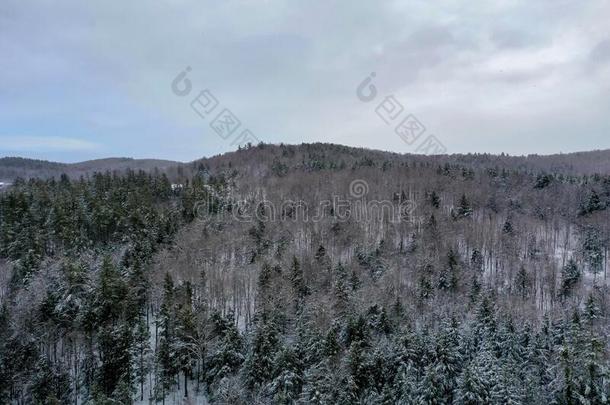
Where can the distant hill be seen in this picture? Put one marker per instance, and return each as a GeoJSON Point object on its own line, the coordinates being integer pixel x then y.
{"type": "Point", "coordinates": [591, 162]}
{"type": "Point", "coordinates": [14, 167]}
{"type": "Point", "coordinates": [310, 157]}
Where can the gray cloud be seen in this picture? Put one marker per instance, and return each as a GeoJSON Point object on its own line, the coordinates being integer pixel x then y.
{"type": "Point", "coordinates": [601, 52]}
{"type": "Point", "coordinates": [289, 70]}
{"type": "Point", "coordinates": [509, 38]}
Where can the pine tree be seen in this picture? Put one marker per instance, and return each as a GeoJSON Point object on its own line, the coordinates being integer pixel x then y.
{"type": "Point", "coordinates": [259, 364]}
{"type": "Point", "coordinates": [50, 384]}
{"type": "Point", "coordinates": [186, 343]}
{"type": "Point", "coordinates": [592, 249]}
{"type": "Point", "coordinates": [543, 180]}
{"type": "Point", "coordinates": [225, 350]}
{"type": "Point", "coordinates": [566, 387]}
{"type": "Point", "coordinates": [464, 208]}
{"type": "Point", "coordinates": [166, 356]}
{"type": "Point", "coordinates": [331, 342]}
{"type": "Point", "coordinates": [425, 287]}
{"type": "Point", "coordinates": [592, 310]}
{"type": "Point", "coordinates": [522, 282]}
{"type": "Point", "coordinates": [341, 289]}
{"type": "Point", "coordinates": [431, 389]}
{"type": "Point", "coordinates": [444, 365]}
{"type": "Point", "coordinates": [286, 386]}
{"type": "Point", "coordinates": [297, 281]}
{"type": "Point", "coordinates": [454, 276]}
{"type": "Point", "coordinates": [596, 378]}
{"type": "Point", "coordinates": [507, 388]}
{"type": "Point", "coordinates": [111, 293]}
{"type": "Point", "coordinates": [319, 387]}
{"type": "Point", "coordinates": [435, 201]}
{"type": "Point", "coordinates": [265, 294]}
{"type": "Point", "coordinates": [472, 388]}
{"type": "Point", "coordinates": [507, 228]}
{"type": "Point", "coordinates": [358, 371]}
{"type": "Point", "coordinates": [444, 280]}
{"type": "Point", "coordinates": [476, 261]}
{"type": "Point", "coordinates": [354, 280]}
{"type": "Point", "coordinates": [570, 276]}
{"type": "Point", "coordinates": [475, 288]}
{"type": "Point", "coordinates": [405, 384]}
{"type": "Point", "coordinates": [141, 354]}
{"type": "Point", "coordinates": [115, 343]}
{"type": "Point", "coordinates": [591, 204]}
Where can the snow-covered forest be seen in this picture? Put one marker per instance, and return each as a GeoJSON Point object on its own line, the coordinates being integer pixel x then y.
{"type": "Point", "coordinates": [209, 283]}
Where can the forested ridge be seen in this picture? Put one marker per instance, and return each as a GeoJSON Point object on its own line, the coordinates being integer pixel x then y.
{"type": "Point", "coordinates": [14, 167]}
{"type": "Point", "coordinates": [151, 286]}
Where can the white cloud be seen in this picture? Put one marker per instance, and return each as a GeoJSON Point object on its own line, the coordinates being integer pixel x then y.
{"type": "Point", "coordinates": [45, 144]}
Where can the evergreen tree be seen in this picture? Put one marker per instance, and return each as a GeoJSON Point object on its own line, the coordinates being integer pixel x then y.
{"type": "Point", "coordinates": [115, 350]}
{"type": "Point", "coordinates": [591, 204]}
{"type": "Point", "coordinates": [331, 342]}
{"type": "Point", "coordinates": [186, 342]}
{"type": "Point", "coordinates": [50, 384]}
{"type": "Point", "coordinates": [431, 389]}
{"type": "Point", "coordinates": [475, 288]}
{"type": "Point", "coordinates": [592, 310]}
{"type": "Point", "coordinates": [464, 208]}
{"type": "Point", "coordinates": [476, 261]}
{"type": "Point", "coordinates": [265, 295]}
{"type": "Point", "coordinates": [259, 364]}
{"type": "Point", "coordinates": [341, 289]}
{"type": "Point", "coordinates": [405, 384]}
{"type": "Point", "coordinates": [592, 249]}
{"type": "Point", "coordinates": [286, 386]}
{"type": "Point", "coordinates": [507, 228]}
{"type": "Point", "coordinates": [166, 356]}
{"type": "Point", "coordinates": [452, 264]}
{"type": "Point", "coordinates": [435, 201]}
{"type": "Point", "coordinates": [297, 281]}
{"type": "Point", "coordinates": [357, 367]}
{"type": "Point", "coordinates": [570, 276]}
{"type": "Point", "coordinates": [319, 387]}
{"type": "Point", "coordinates": [523, 282]}
{"type": "Point", "coordinates": [141, 354]}
{"type": "Point", "coordinates": [472, 388]}
{"type": "Point", "coordinates": [111, 293]}
{"type": "Point", "coordinates": [225, 354]}
{"type": "Point", "coordinates": [425, 288]}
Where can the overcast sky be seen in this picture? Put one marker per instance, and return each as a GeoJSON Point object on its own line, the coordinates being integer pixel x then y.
{"type": "Point", "coordinates": [89, 79]}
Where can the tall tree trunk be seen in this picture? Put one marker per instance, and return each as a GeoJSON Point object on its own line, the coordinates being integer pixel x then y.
{"type": "Point", "coordinates": [141, 375]}
{"type": "Point", "coordinates": [186, 385]}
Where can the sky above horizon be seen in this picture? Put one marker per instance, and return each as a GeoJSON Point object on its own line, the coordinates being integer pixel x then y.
{"type": "Point", "coordinates": [83, 80]}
